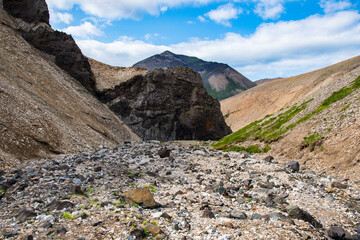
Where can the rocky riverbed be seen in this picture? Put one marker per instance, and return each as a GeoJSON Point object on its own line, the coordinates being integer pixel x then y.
{"type": "Point", "coordinates": [153, 190]}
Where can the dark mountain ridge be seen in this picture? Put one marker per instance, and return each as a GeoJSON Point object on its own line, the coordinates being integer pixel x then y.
{"type": "Point", "coordinates": [220, 80]}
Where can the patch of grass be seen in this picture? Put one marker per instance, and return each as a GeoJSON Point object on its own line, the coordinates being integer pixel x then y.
{"type": "Point", "coordinates": [67, 215]}
{"type": "Point", "coordinates": [135, 205]}
{"type": "Point", "coordinates": [89, 190]}
{"type": "Point", "coordinates": [119, 203]}
{"type": "Point", "coordinates": [346, 107]}
{"type": "Point", "coordinates": [312, 139]}
{"type": "Point", "coordinates": [250, 149]}
{"type": "Point", "coordinates": [2, 191]}
{"type": "Point", "coordinates": [270, 130]}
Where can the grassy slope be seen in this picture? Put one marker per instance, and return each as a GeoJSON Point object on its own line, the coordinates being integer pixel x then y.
{"type": "Point", "coordinates": [270, 128]}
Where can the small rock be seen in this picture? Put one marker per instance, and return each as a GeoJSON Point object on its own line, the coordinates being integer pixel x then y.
{"type": "Point", "coordinates": [154, 230]}
{"type": "Point", "coordinates": [24, 214]}
{"type": "Point", "coordinates": [297, 213]}
{"type": "Point", "coordinates": [164, 152]}
{"type": "Point", "coordinates": [76, 181]}
{"type": "Point", "coordinates": [255, 216]}
{"type": "Point", "coordinates": [61, 230]}
{"type": "Point", "coordinates": [339, 185]}
{"type": "Point", "coordinates": [336, 233]}
{"type": "Point", "coordinates": [293, 166]}
{"type": "Point", "coordinates": [141, 196]}
{"type": "Point", "coordinates": [269, 159]}
{"type": "Point", "coordinates": [238, 215]}
{"type": "Point", "coordinates": [138, 233]}
{"type": "Point", "coordinates": [97, 169]}
{"type": "Point", "coordinates": [208, 214]}
{"type": "Point", "coordinates": [59, 205]}
{"type": "Point", "coordinates": [247, 184]}
{"type": "Point", "coordinates": [166, 216]}
{"type": "Point", "coordinates": [77, 190]}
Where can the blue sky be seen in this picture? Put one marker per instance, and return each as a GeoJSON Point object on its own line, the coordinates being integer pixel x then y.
{"type": "Point", "coordinates": [259, 38]}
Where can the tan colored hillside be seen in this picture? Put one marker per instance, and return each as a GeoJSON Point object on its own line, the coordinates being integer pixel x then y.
{"type": "Point", "coordinates": [322, 137]}
{"type": "Point", "coordinates": [270, 97]}
{"type": "Point", "coordinates": [107, 76]}
{"type": "Point", "coordinates": [43, 110]}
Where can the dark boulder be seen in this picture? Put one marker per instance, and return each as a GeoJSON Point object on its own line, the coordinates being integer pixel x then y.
{"type": "Point", "coordinates": [167, 105]}
{"type": "Point", "coordinates": [297, 213]}
{"type": "Point", "coordinates": [31, 11]}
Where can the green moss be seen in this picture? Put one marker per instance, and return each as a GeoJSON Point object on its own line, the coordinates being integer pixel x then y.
{"type": "Point", "coordinates": [250, 149]}
{"type": "Point", "coordinates": [151, 187]}
{"type": "Point", "coordinates": [313, 138]}
{"type": "Point", "coordinates": [67, 215]}
{"type": "Point", "coordinates": [346, 107]}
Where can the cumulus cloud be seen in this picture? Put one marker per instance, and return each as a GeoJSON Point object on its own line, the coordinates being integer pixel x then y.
{"type": "Point", "coordinates": [282, 46]}
{"type": "Point", "coordinates": [58, 17]}
{"type": "Point", "coordinates": [331, 6]}
{"type": "Point", "coordinates": [121, 9]}
{"type": "Point", "coordinates": [224, 13]}
{"type": "Point", "coordinates": [83, 31]}
{"type": "Point", "coordinates": [269, 9]}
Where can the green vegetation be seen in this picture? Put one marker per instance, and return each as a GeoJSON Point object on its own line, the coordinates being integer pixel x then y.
{"type": "Point", "coordinates": [67, 215]}
{"type": "Point", "coordinates": [250, 149]}
{"type": "Point", "coordinates": [2, 191]}
{"type": "Point", "coordinates": [119, 204]}
{"type": "Point", "coordinates": [312, 139]}
{"type": "Point", "coordinates": [151, 187]}
{"type": "Point", "coordinates": [270, 128]}
{"type": "Point", "coordinates": [346, 107]}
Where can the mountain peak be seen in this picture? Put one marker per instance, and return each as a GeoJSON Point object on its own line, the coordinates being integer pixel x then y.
{"type": "Point", "coordinates": [220, 80]}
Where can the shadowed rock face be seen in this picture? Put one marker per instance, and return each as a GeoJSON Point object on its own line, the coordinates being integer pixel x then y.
{"type": "Point", "coordinates": [67, 54]}
{"type": "Point", "coordinates": [168, 105]}
{"type": "Point", "coordinates": [31, 11]}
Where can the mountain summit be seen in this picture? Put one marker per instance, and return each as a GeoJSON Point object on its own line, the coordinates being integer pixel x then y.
{"type": "Point", "coordinates": [220, 80]}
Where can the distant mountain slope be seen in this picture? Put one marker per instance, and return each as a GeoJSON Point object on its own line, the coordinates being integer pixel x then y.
{"type": "Point", "coordinates": [313, 118]}
{"type": "Point", "coordinates": [220, 80]}
{"type": "Point", "coordinates": [265, 80]}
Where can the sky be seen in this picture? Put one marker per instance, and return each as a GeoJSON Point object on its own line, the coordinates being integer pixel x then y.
{"type": "Point", "coordinates": [259, 38]}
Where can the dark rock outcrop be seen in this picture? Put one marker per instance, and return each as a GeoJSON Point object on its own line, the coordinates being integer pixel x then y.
{"type": "Point", "coordinates": [67, 54]}
{"type": "Point", "coordinates": [31, 11]}
{"type": "Point", "coordinates": [167, 105]}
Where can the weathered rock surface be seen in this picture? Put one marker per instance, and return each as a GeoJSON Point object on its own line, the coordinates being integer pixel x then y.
{"type": "Point", "coordinates": [31, 11]}
{"type": "Point", "coordinates": [194, 203]}
{"type": "Point", "coordinates": [168, 105]}
{"type": "Point", "coordinates": [43, 110]}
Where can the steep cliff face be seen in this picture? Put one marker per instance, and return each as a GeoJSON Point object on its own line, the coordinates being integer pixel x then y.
{"type": "Point", "coordinates": [168, 105]}
{"type": "Point", "coordinates": [31, 11]}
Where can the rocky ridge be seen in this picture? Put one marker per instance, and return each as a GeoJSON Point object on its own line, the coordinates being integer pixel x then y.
{"type": "Point", "coordinates": [167, 105]}
{"type": "Point", "coordinates": [174, 191]}
{"type": "Point", "coordinates": [220, 80]}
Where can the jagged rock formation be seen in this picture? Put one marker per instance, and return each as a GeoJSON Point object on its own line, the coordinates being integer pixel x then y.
{"type": "Point", "coordinates": [43, 109]}
{"type": "Point", "coordinates": [220, 80]}
{"type": "Point", "coordinates": [31, 11]}
{"type": "Point", "coordinates": [167, 105]}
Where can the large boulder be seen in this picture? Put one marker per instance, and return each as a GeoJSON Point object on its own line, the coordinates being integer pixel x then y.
{"type": "Point", "coordinates": [31, 11]}
{"type": "Point", "coordinates": [167, 105]}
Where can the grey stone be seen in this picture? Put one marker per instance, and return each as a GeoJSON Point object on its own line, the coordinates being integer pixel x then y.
{"type": "Point", "coordinates": [293, 166]}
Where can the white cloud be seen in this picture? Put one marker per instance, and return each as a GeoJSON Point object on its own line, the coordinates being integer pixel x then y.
{"type": "Point", "coordinates": [269, 9]}
{"type": "Point", "coordinates": [58, 17]}
{"type": "Point", "coordinates": [150, 36]}
{"type": "Point", "coordinates": [201, 19]}
{"type": "Point", "coordinates": [331, 6]}
{"type": "Point", "coordinates": [224, 13]}
{"type": "Point", "coordinates": [121, 9]}
{"type": "Point", "coordinates": [83, 31]}
{"type": "Point", "coordinates": [284, 47]}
